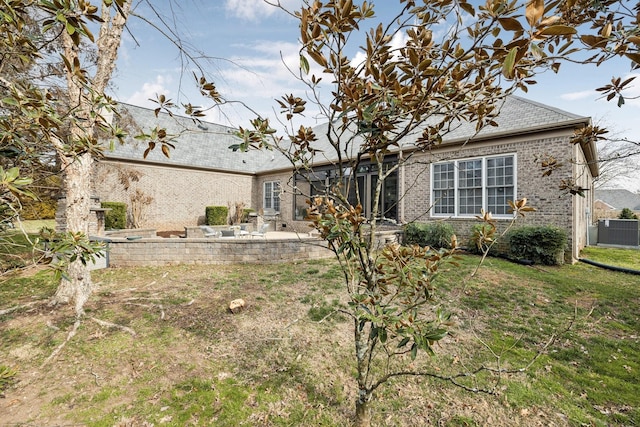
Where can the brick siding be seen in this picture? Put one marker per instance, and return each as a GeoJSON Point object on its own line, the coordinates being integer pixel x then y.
{"type": "Point", "coordinates": [553, 206]}
{"type": "Point", "coordinates": [180, 196]}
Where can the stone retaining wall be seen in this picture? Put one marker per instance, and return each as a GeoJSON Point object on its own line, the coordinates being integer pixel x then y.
{"type": "Point", "coordinates": [173, 251]}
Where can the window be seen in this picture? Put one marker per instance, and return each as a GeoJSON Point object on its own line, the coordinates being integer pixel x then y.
{"type": "Point", "coordinates": [469, 187]}
{"type": "Point", "coordinates": [272, 195]}
{"type": "Point", "coordinates": [443, 188]}
{"type": "Point", "coordinates": [465, 187]}
{"type": "Point", "coordinates": [500, 184]}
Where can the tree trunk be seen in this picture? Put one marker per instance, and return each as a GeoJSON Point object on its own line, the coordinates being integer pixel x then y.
{"type": "Point", "coordinates": [77, 286]}
{"type": "Point", "coordinates": [363, 415]}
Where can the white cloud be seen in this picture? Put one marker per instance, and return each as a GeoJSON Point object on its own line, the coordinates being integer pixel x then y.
{"type": "Point", "coordinates": [150, 90]}
{"type": "Point", "coordinates": [575, 96]}
{"type": "Point", "coordinates": [398, 41]}
{"type": "Point", "coordinates": [256, 10]}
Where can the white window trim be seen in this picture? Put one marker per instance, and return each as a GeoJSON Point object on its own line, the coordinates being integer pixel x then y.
{"type": "Point", "coordinates": [484, 186]}
{"type": "Point", "coordinates": [264, 194]}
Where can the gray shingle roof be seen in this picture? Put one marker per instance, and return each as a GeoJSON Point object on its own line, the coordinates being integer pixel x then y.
{"type": "Point", "coordinates": [619, 198]}
{"type": "Point", "coordinates": [208, 147]}
{"type": "Point", "coordinates": [203, 145]}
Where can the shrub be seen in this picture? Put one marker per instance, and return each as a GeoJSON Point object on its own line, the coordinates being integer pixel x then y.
{"type": "Point", "coordinates": [541, 245]}
{"type": "Point", "coordinates": [39, 209]}
{"type": "Point", "coordinates": [435, 234]}
{"type": "Point", "coordinates": [627, 214]}
{"type": "Point", "coordinates": [116, 218]}
{"type": "Point", "coordinates": [216, 215]}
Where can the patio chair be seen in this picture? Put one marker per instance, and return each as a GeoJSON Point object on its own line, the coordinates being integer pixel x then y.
{"type": "Point", "coordinates": [208, 231]}
{"type": "Point", "coordinates": [261, 232]}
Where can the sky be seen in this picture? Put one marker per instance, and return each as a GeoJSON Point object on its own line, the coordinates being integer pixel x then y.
{"type": "Point", "coordinates": [244, 46]}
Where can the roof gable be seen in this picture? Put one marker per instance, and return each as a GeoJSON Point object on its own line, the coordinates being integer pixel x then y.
{"type": "Point", "coordinates": [619, 199]}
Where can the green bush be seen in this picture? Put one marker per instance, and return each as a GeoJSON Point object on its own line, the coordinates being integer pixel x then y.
{"type": "Point", "coordinates": [542, 245]}
{"type": "Point", "coordinates": [435, 234]}
{"type": "Point", "coordinates": [216, 215]}
{"type": "Point", "coordinates": [627, 214]}
{"type": "Point", "coordinates": [116, 218]}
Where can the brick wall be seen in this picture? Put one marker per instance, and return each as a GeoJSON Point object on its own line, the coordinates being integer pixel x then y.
{"type": "Point", "coordinates": [150, 251]}
{"type": "Point", "coordinates": [285, 221]}
{"type": "Point", "coordinates": [159, 251]}
{"type": "Point", "coordinates": [179, 195]}
{"type": "Point", "coordinates": [554, 207]}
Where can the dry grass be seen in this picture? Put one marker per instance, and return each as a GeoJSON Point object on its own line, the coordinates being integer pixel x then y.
{"type": "Point", "coordinates": [287, 358]}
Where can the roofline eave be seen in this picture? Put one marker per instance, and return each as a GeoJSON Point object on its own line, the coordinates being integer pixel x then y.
{"type": "Point", "coordinates": [177, 165]}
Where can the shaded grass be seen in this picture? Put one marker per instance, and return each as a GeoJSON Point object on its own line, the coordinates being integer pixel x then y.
{"type": "Point", "coordinates": [17, 287]}
{"type": "Point", "coordinates": [15, 250]}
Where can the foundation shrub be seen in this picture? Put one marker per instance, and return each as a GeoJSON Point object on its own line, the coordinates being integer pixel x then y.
{"type": "Point", "coordinates": [245, 214]}
{"type": "Point", "coordinates": [542, 245]}
{"type": "Point", "coordinates": [434, 234]}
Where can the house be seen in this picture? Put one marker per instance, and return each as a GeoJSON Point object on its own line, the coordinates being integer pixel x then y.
{"type": "Point", "coordinates": [467, 172]}
{"type": "Point", "coordinates": [608, 203]}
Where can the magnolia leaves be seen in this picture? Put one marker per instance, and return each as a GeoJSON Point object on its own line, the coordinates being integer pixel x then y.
{"type": "Point", "coordinates": [542, 28]}
{"type": "Point", "coordinates": [519, 207]}
{"type": "Point", "coordinates": [155, 137]}
{"type": "Point", "coordinates": [11, 181]}
{"type": "Point", "coordinates": [614, 89]}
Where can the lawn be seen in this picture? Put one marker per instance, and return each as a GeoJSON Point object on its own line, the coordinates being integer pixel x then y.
{"type": "Point", "coordinates": [626, 258]}
{"type": "Point", "coordinates": [286, 360]}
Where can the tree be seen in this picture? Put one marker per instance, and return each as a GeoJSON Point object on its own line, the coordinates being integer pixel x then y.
{"type": "Point", "coordinates": [627, 213]}
{"type": "Point", "coordinates": [54, 76]}
{"type": "Point", "coordinates": [42, 117]}
{"type": "Point", "coordinates": [618, 160]}
{"type": "Point", "coordinates": [456, 63]}
{"type": "Point", "coordinates": [84, 103]}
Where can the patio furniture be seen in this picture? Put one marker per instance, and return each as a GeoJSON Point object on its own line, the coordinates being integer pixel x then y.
{"type": "Point", "coordinates": [261, 232]}
{"type": "Point", "coordinates": [239, 230]}
{"type": "Point", "coordinates": [227, 234]}
{"type": "Point", "coordinates": [208, 231]}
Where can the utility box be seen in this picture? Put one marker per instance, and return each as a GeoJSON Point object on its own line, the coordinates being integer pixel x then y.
{"type": "Point", "coordinates": [622, 232]}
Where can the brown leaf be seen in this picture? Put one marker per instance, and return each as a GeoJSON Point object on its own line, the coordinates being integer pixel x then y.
{"type": "Point", "coordinates": [510, 24]}
{"type": "Point", "coordinates": [534, 11]}
{"type": "Point", "coordinates": [635, 57]}
{"type": "Point", "coordinates": [558, 30]}
{"type": "Point", "coordinates": [593, 41]}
